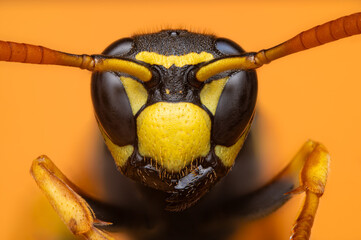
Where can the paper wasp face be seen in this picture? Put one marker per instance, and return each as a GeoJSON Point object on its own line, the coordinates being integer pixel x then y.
{"type": "Point", "coordinates": [173, 133]}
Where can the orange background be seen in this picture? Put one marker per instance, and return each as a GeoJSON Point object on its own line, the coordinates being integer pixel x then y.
{"type": "Point", "coordinates": [313, 94]}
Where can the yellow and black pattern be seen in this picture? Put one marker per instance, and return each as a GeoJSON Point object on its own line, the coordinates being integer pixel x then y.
{"type": "Point", "coordinates": [171, 132]}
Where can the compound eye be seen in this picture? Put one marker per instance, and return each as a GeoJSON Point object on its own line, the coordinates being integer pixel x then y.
{"type": "Point", "coordinates": [120, 47]}
{"type": "Point", "coordinates": [228, 47]}
{"type": "Point", "coordinates": [112, 108]}
{"type": "Point", "coordinates": [235, 108]}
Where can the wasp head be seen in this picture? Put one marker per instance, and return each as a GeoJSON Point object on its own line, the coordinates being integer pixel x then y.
{"type": "Point", "coordinates": [174, 133]}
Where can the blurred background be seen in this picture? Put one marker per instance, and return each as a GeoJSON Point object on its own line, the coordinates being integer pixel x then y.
{"type": "Point", "coordinates": [47, 109]}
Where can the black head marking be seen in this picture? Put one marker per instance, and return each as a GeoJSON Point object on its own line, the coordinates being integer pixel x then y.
{"type": "Point", "coordinates": [120, 47]}
{"type": "Point", "coordinates": [228, 47]}
{"type": "Point", "coordinates": [112, 108]}
{"type": "Point", "coordinates": [235, 108]}
{"type": "Point", "coordinates": [174, 42]}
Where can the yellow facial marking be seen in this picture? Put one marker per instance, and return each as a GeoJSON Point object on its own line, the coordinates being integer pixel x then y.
{"type": "Point", "coordinates": [179, 61]}
{"type": "Point", "coordinates": [211, 92]}
{"type": "Point", "coordinates": [228, 154]}
{"type": "Point", "coordinates": [120, 154]}
{"type": "Point", "coordinates": [136, 92]}
{"type": "Point", "coordinates": [173, 134]}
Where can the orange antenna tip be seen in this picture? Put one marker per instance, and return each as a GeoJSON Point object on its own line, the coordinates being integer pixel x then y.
{"type": "Point", "coordinates": [27, 53]}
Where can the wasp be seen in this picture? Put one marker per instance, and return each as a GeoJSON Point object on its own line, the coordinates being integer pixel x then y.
{"type": "Point", "coordinates": [175, 109]}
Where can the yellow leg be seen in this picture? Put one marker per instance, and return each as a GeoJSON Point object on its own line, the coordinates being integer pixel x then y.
{"type": "Point", "coordinates": [312, 180]}
{"type": "Point", "coordinates": [72, 208]}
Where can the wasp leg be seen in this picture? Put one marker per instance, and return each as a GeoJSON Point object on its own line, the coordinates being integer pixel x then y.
{"type": "Point", "coordinates": [312, 181]}
{"type": "Point", "coordinates": [307, 172]}
{"type": "Point", "coordinates": [71, 207]}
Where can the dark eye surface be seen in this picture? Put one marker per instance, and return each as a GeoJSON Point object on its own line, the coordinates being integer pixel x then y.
{"type": "Point", "coordinates": [119, 47]}
{"type": "Point", "coordinates": [235, 108]}
{"type": "Point", "coordinates": [112, 108]}
{"type": "Point", "coordinates": [228, 47]}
